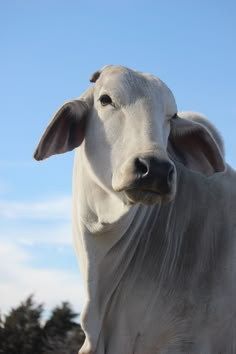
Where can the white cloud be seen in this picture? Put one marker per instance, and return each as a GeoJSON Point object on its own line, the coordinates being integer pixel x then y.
{"type": "Point", "coordinates": [59, 233]}
{"type": "Point", "coordinates": [18, 279]}
{"type": "Point", "coordinates": [58, 208]}
{"type": "Point", "coordinates": [36, 223]}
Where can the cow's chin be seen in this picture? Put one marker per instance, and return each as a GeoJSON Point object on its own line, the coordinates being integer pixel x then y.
{"type": "Point", "coordinates": [147, 197]}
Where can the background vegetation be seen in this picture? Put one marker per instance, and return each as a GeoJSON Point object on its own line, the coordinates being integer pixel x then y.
{"type": "Point", "coordinates": [23, 331]}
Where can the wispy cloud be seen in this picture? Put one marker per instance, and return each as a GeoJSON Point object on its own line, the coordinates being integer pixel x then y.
{"type": "Point", "coordinates": [58, 208]}
{"type": "Point", "coordinates": [26, 229]}
{"type": "Point", "coordinates": [18, 279]}
{"type": "Point", "coordinates": [58, 233]}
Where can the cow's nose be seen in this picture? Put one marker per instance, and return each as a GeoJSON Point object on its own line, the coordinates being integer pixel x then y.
{"type": "Point", "coordinates": [152, 172]}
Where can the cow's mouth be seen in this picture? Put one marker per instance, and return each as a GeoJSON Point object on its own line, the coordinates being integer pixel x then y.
{"type": "Point", "coordinates": [147, 196]}
{"type": "Point", "coordinates": [146, 179]}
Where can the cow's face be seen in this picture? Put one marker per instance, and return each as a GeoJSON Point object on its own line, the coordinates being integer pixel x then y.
{"type": "Point", "coordinates": [131, 136]}
{"type": "Point", "coordinates": [127, 135]}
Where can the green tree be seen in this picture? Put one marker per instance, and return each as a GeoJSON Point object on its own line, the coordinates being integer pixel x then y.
{"type": "Point", "coordinates": [1, 331]}
{"type": "Point", "coordinates": [63, 334]}
{"type": "Point", "coordinates": [61, 320]}
{"type": "Point", "coordinates": [21, 332]}
{"type": "Point", "coordinates": [70, 344]}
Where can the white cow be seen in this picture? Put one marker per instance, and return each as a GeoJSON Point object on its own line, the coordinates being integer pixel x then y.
{"type": "Point", "coordinates": [154, 219]}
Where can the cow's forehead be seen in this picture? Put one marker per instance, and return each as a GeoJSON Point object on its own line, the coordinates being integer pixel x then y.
{"type": "Point", "coordinates": [125, 76]}
{"type": "Point", "coordinates": [121, 80]}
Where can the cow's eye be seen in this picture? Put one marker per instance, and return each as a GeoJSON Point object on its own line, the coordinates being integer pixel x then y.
{"type": "Point", "coordinates": [105, 100]}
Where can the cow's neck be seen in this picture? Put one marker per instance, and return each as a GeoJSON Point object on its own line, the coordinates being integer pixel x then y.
{"type": "Point", "coordinates": [114, 241]}
{"type": "Point", "coordinates": [101, 219]}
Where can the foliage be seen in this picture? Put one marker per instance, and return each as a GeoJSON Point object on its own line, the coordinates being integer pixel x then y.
{"type": "Point", "coordinates": [62, 332]}
{"type": "Point", "coordinates": [22, 331]}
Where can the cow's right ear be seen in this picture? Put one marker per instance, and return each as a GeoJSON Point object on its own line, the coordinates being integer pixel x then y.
{"type": "Point", "coordinates": [192, 144]}
{"type": "Point", "coordinates": [65, 131]}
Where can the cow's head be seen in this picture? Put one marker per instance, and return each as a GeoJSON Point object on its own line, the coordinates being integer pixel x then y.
{"type": "Point", "coordinates": [131, 135]}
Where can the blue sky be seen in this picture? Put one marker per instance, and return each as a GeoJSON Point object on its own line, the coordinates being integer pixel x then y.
{"type": "Point", "coordinates": [49, 48]}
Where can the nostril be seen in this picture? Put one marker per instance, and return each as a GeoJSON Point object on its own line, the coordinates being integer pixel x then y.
{"type": "Point", "coordinates": [170, 175]}
{"type": "Point", "coordinates": [141, 167]}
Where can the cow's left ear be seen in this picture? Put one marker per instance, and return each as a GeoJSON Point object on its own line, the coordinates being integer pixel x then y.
{"type": "Point", "coordinates": [65, 132]}
{"type": "Point", "coordinates": [193, 145]}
